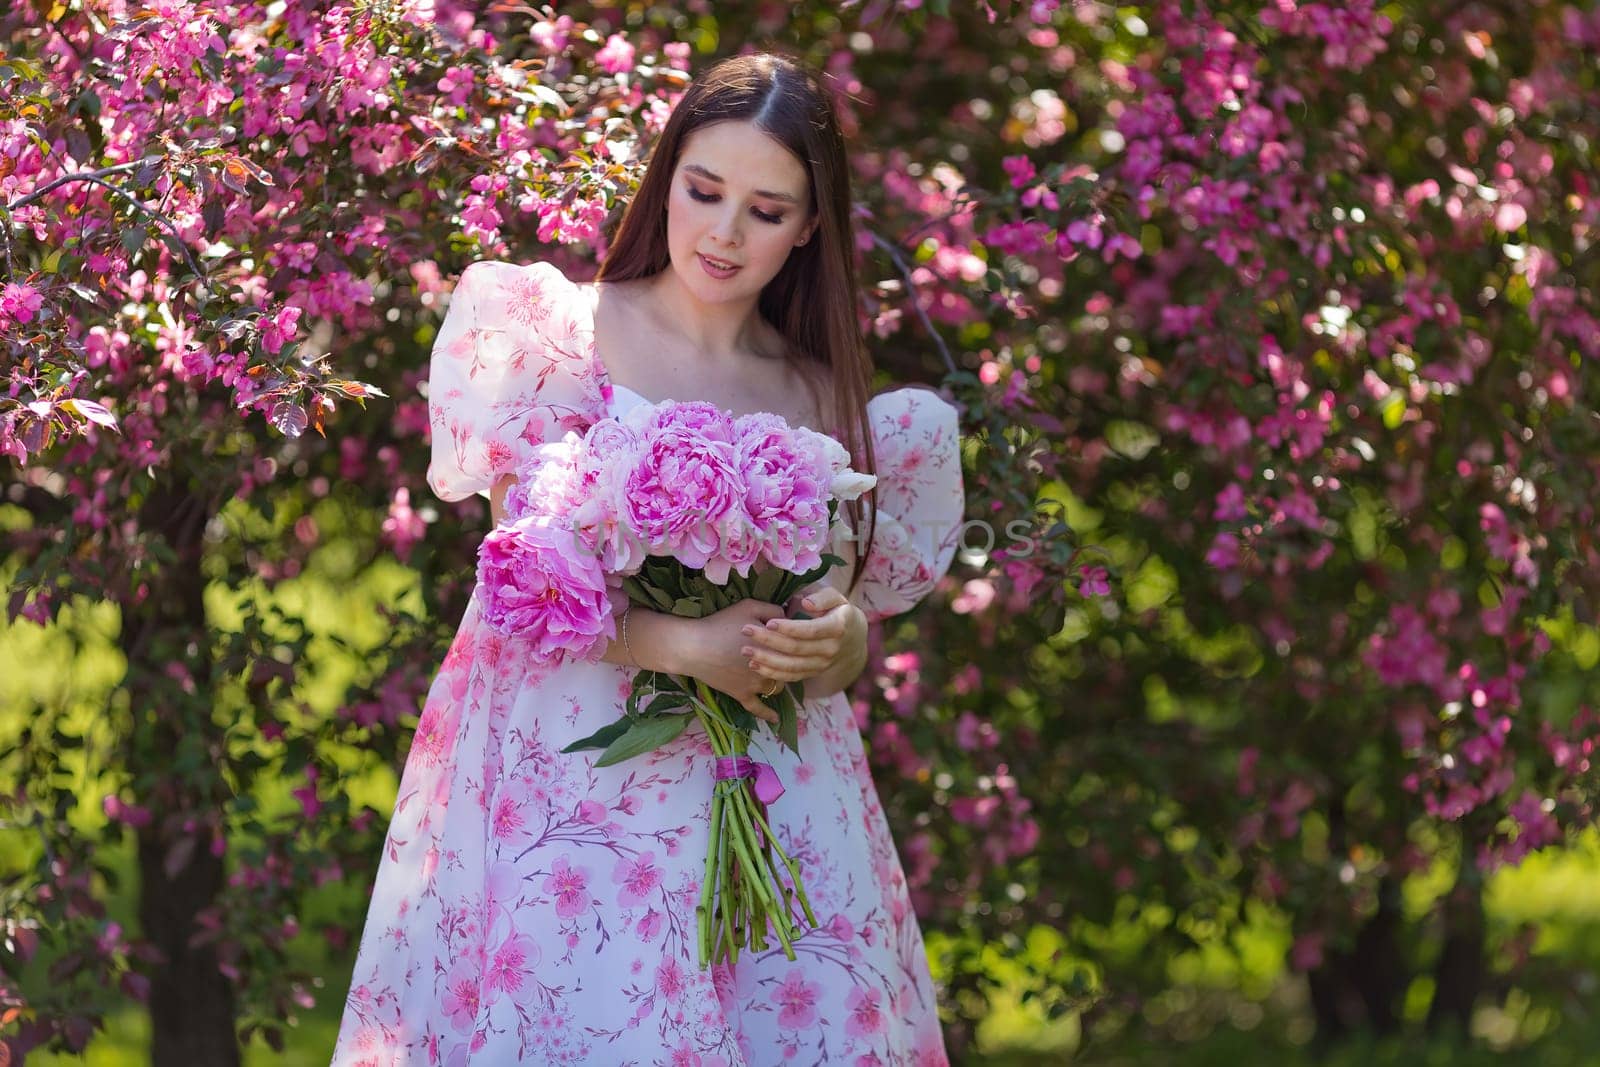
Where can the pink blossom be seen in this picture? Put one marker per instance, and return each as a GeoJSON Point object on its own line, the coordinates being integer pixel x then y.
{"type": "Point", "coordinates": [19, 302]}
{"type": "Point", "coordinates": [537, 585]}
{"type": "Point", "coordinates": [1230, 505]}
{"type": "Point", "coordinates": [796, 999]}
{"type": "Point", "coordinates": [1019, 169]}
{"type": "Point", "coordinates": [403, 527]}
{"type": "Point", "coordinates": [510, 970]}
{"type": "Point", "coordinates": [865, 1005]}
{"type": "Point", "coordinates": [552, 34]}
{"type": "Point", "coordinates": [617, 55]}
{"type": "Point", "coordinates": [1306, 952]}
{"type": "Point", "coordinates": [1092, 582]}
{"type": "Point", "coordinates": [1224, 551]}
{"type": "Point", "coordinates": [639, 878]}
{"type": "Point", "coordinates": [570, 888]}
{"type": "Point", "coordinates": [462, 995]}
{"type": "Point", "coordinates": [279, 329]}
{"type": "Point", "coordinates": [650, 925]}
{"type": "Point", "coordinates": [670, 979]}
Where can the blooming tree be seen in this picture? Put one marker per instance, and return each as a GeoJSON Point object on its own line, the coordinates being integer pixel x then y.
{"type": "Point", "coordinates": [222, 225]}
{"type": "Point", "coordinates": [1299, 325]}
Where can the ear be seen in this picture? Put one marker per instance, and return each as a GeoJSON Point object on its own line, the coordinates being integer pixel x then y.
{"type": "Point", "coordinates": [805, 235]}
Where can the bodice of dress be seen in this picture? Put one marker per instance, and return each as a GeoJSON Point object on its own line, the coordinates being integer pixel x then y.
{"type": "Point", "coordinates": [514, 366]}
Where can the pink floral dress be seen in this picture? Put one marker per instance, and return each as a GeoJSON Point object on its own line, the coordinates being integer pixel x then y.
{"type": "Point", "coordinates": [533, 908]}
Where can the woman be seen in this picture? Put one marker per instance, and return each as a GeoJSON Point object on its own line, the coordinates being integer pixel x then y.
{"type": "Point", "coordinates": [533, 908]}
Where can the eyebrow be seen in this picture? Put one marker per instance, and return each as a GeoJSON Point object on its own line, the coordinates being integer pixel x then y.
{"type": "Point", "coordinates": [695, 168]}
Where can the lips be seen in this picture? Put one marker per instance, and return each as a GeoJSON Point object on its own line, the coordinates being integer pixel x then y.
{"type": "Point", "coordinates": [715, 267]}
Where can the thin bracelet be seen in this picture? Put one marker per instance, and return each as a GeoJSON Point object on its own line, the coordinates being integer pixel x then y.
{"type": "Point", "coordinates": [625, 644]}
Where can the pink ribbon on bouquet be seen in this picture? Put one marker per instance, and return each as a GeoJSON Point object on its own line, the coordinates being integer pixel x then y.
{"type": "Point", "coordinates": [767, 788]}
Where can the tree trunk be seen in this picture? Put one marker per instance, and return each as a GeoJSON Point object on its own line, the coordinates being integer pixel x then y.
{"type": "Point", "coordinates": [1360, 990]}
{"type": "Point", "coordinates": [191, 1002]}
{"type": "Point", "coordinates": [1459, 974]}
{"type": "Point", "coordinates": [1377, 966]}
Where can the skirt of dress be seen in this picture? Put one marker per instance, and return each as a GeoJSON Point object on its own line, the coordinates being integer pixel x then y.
{"type": "Point", "coordinates": [533, 908]}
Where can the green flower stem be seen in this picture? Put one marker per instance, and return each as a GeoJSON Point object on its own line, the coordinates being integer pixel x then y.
{"type": "Point", "coordinates": [745, 844]}
{"type": "Point", "coordinates": [742, 892]}
{"type": "Point", "coordinates": [792, 867]}
{"type": "Point", "coordinates": [707, 884]}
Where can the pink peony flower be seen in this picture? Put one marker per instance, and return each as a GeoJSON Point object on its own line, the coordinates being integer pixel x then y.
{"type": "Point", "coordinates": [551, 482]}
{"type": "Point", "coordinates": [785, 491]}
{"type": "Point", "coordinates": [684, 496]}
{"type": "Point", "coordinates": [538, 586]}
{"type": "Point", "coordinates": [610, 450]}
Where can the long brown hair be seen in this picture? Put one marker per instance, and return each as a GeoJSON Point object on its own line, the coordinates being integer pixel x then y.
{"type": "Point", "coordinates": [812, 299]}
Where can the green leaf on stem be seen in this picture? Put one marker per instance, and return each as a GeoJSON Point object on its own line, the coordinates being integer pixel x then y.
{"type": "Point", "coordinates": [789, 723]}
{"type": "Point", "coordinates": [644, 735]}
{"type": "Point", "coordinates": [767, 584]}
{"type": "Point", "coordinates": [665, 702]}
{"type": "Point", "coordinates": [601, 737]}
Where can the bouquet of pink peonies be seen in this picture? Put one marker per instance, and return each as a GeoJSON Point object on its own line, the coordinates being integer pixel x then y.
{"type": "Point", "coordinates": [686, 510]}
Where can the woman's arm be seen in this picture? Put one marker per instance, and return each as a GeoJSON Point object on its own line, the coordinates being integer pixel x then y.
{"type": "Point", "coordinates": [497, 498]}
{"type": "Point", "coordinates": [656, 641]}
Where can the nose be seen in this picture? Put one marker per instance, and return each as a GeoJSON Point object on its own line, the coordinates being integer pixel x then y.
{"type": "Point", "coordinates": [727, 229]}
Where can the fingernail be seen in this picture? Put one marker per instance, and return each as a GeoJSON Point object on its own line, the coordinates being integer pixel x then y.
{"type": "Point", "coordinates": [747, 651]}
{"type": "Point", "coordinates": [748, 631]}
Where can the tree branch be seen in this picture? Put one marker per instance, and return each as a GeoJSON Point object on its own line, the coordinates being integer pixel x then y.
{"type": "Point", "coordinates": [905, 272]}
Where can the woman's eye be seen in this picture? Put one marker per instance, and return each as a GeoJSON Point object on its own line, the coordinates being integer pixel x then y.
{"type": "Point", "coordinates": [712, 198]}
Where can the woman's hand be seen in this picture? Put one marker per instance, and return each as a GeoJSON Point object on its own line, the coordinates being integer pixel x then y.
{"type": "Point", "coordinates": [830, 647]}
{"type": "Point", "coordinates": [716, 654]}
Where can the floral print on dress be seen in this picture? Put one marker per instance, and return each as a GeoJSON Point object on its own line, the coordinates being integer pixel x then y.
{"type": "Point", "coordinates": [530, 907]}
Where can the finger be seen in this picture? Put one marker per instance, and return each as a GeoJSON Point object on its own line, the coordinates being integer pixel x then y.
{"type": "Point", "coordinates": [764, 611]}
{"type": "Point", "coordinates": [772, 674]}
{"type": "Point", "coordinates": [822, 598]}
{"type": "Point", "coordinates": [774, 663]}
{"type": "Point", "coordinates": [797, 599]}
{"type": "Point", "coordinates": [762, 637]}
{"type": "Point", "coordinates": [782, 634]}
{"type": "Point", "coordinates": [761, 711]}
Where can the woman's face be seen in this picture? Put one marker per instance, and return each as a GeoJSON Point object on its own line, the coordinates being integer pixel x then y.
{"type": "Point", "coordinates": [739, 204]}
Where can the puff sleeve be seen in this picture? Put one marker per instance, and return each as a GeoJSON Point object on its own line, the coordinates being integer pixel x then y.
{"type": "Point", "coordinates": [512, 367]}
{"type": "Point", "coordinates": [920, 499]}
